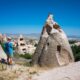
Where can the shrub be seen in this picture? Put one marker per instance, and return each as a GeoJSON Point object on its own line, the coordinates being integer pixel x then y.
{"type": "Point", "coordinates": [26, 56]}
{"type": "Point", "coordinates": [76, 52]}
{"type": "Point", "coordinates": [36, 45]}
{"type": "Point", "coordinates": [72, 41]}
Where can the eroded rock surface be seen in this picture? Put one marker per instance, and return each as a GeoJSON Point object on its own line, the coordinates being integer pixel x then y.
{"type": "Point", "coordinates": [53, 48]}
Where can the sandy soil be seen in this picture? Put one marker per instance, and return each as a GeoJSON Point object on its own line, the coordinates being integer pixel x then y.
{"type": "Point", "coordinates": [19, 72]}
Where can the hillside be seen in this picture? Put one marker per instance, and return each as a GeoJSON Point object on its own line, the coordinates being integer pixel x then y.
{"type": "Point", "coordinates": [19, 72]}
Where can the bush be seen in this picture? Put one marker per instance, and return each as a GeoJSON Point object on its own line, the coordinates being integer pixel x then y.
{"type": "Point", "coordinates": [36, 45]}
{"type": "Point", "coordinates": [72, 41]}
{"type": "Point", "coordinates": [26, 56]}
{"type": "Point", "coordinates": [76, 52]}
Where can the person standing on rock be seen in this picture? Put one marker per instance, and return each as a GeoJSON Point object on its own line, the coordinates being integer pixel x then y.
{"type": "Point", "coordinates": [9, 50]}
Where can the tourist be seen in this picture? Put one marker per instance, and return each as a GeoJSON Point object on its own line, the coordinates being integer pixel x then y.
{"type": "Point", "coordinates": [9, 50]}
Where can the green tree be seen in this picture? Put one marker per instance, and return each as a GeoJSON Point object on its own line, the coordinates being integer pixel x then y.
{"type": "Point", "coordinates": [76, 52]}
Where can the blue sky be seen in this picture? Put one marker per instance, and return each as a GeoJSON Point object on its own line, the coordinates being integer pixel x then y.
{"type": "Point", "coordinates": [28, 16]}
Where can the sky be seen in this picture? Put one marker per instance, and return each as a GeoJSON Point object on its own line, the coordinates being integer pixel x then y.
{"type": "Point", "coordinates": [29, 16]}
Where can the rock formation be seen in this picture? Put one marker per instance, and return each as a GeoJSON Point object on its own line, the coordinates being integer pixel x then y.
{"type": "Point", "coordinates": [4, 38]}
{"type": "Point", "coordinates": [69, 72]}
{"type": "Point", "coordinates": [2, 54]}
{"type": "Point", "coordinates": [23, 47]}
{"type": "Point", "coordinates": [53, 48]}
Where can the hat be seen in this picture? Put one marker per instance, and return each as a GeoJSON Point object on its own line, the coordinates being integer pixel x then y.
{"type": "Point", "coordinates": [9, 38]}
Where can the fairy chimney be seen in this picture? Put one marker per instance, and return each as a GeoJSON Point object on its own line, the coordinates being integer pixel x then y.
{"type": "Point", "coordinates": [53, 49]}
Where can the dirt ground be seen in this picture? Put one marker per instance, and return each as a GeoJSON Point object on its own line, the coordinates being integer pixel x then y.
{"type": "Point", "coordinates": [21, 72]}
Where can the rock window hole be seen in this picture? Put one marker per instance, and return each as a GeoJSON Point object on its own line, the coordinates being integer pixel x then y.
{"type": "Point", "coordinates": [59, 48]}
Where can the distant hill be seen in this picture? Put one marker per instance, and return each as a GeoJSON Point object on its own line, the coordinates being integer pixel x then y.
{"type": "Point", "coordinates": [30, 36]}
{"type": "Point", "coordinates": [74, 37]}
{"type": "Point", "coordinates": [37, 36]}
{"type": "Point", "coordinates": [33, 35]}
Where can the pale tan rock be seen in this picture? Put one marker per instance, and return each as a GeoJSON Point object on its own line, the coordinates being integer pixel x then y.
{"type": "Point", "coordinates": [69, 72]}
{"type": "Point", "coordinates": [53, 49]}
{"type": "Point", "coordinates": [2, 54]}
